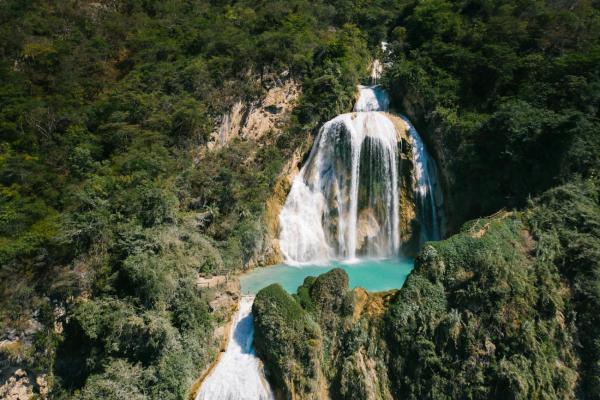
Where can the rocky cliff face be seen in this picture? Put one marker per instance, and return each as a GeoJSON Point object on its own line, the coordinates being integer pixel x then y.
{"type": "Point", "coordinates": [253, 120]}
{"type": "Point", "coordinates": [261, 122]}
{"type": "Point", "coordinates": [413, 107]}
{"type": "Point", "coordinates": [408, 215]}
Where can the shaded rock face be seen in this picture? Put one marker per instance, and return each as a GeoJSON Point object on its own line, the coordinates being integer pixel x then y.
{"type": "Point", "coordinates": [408, 219]}
{"type": "Point", "coordinates": [414, 107]}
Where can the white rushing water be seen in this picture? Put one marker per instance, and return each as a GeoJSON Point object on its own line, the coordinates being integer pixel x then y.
{"type": "Point", "coordinates": [344, 201]}
{"type": "Point", "coordinates": [425, 178]}
{"type": "Point", "coordinates": [239, 374]}
{"type": "Point", "coordinates": [372, 98]}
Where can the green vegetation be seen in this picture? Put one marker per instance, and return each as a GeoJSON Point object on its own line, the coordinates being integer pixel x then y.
{"type": "Point", "coordinates": [506, 308]}
{"type": "Point", "coordinates": [289, 342]}
{"type": "Point", "coordinates": [111, 205]}
{"type": "Point", "coordinates": [506, 94]}
{"type": "Point", "coordinates": [566, 224]}
{"type": "Point", "coordinates": [482, 317]}
{"type": "Point", "coordinates": [503, 309]}
{"type": "Point", "coordinates": [321, 342]}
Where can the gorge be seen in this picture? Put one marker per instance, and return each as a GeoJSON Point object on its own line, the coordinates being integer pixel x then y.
{"type": "Point", "coordinates": [343, 211]}
{"type": "Point", "coordinates": [201, 195]}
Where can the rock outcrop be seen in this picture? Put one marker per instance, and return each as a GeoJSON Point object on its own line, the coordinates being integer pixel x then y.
{"type": "Point", "coordinates": [324, 342]}
{"type": "Point", "coordinates": [227, 295]}
{"type": "Point", "coordinates": [19, 387]}
{"type": "Point", "coordinates": [252, 121]}
{"type": "Point", "coordinates": [408, 214]}
{"type": "Point", "coordinates": [413, 106]}
{"type": "Point", "coordinates": [260, 122]}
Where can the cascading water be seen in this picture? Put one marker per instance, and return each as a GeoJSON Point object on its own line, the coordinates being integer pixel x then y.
{"type": "Point", "coordinates": [425, 179]}
{"type": "Point", "coordinates": [239, 374]}
{"type": "Point", "coordinates": [344, 202]}
{"type": "Point", "coordinates": [372, 98]}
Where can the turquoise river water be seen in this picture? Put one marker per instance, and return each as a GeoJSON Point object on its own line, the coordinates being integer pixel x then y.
{"type": "Point", "coordinates": [373, 275]}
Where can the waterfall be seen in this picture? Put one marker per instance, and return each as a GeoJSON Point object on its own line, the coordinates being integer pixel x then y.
{"type": "Point", "coordinates": [239, 374]}
{"type": "Point", "coordinates": [426, 190]}
{"type": "Point", "coordinates": [344, 202]}
{"type": "Point", "coordinates": [372, 98]}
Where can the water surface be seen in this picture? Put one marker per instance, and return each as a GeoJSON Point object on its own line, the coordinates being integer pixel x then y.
{"type": "Point", "coordinates": [373, 275]}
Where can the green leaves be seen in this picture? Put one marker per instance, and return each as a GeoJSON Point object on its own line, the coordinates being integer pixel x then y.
{"type": "Point", "coordinates": [481, 303]}
{"type": "Point", "coordinates": [289, 340]}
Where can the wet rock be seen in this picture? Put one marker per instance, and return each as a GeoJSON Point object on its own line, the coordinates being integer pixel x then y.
{"type": "Point", "coordinates": [367, 227]}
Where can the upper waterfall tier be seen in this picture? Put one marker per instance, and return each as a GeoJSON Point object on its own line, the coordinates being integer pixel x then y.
{"type": "Point", "coordinates": [372, 98]}
{"type": "Point", "coordinates": [344, 201]}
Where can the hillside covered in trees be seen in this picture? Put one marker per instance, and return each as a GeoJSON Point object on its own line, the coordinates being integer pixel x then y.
{"type": "Point", "coordinates": [112, 205]}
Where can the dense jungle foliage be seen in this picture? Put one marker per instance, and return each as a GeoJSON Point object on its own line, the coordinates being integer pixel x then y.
{"type": "Point", "coordinates": [507, 92]}
{"type": "Point", "coordinates": [508, 96]}
{"type": "Point", "coordinates": [505, 309]}
{"type": "Point", "coordinates": [111, 206]}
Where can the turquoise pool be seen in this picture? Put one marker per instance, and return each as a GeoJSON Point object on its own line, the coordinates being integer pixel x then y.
{"type": "Point", "coordinates": [373, 275]}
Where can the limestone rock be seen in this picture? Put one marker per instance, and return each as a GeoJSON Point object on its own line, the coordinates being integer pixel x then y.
{"type": "Point", "coordinates": [227, 296]}
{"type": "Point", "coordinates": [213, 281]}
{"type": "Point", "coordinates": [367, 227]}
{"type": "Point", "coordinates": [254, 120]}
{"type": "Point", "coordinates": [17, 387]}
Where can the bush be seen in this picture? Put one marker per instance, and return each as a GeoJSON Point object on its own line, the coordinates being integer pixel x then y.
{"type": "Point", "coordinates": [288, 340]}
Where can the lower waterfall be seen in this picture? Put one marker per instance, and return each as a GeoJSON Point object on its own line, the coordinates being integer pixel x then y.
{"type": "Point", "coordinates": [239, 374]}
